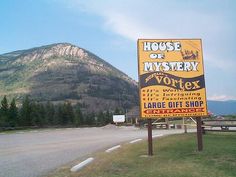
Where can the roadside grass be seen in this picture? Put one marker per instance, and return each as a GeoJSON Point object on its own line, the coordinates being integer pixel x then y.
{"type": "Point", "coordinates": [174, 156]}
{"type": "Point", "coordinates": [28, 130]}
{"type": "Point", "coordinates": [34, 130]}
{"type": "Point", "coordinates": [16, 131]}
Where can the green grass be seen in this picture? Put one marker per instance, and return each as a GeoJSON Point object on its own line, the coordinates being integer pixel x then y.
{"type": "Point", "coordinates": [174, 156]}
{"type": "Point", "coordinates": [28, 130]}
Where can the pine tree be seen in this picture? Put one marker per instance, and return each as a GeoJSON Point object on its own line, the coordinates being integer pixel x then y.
{"type": "Point", "coordinates": [4, 112]}
{"type": "Point", "coordinates": [108, 116]}
{"type": "Point", "coordinates": [13, 114]}
{"type": "Point", "coordinates": [42, 114]}
{"type": "Point", "coordinates": [78, 120]}
{"type": "Point", "coordinates": [101, 118]}
{"type": "Point", "coordinates": [35, 115]}
{"type": "Point", "coordinates": [25, 112]}
{"type": "Point", "coordinates": [90, 118]}
{"type": "Point", "coordinates": [38, 114]}
{"type": "Point", "coordinates": [69, 113]}
{"type": "Point", "coordinates": [58, 117]}
{"type": "Point", "coordinates": [49, 113]}
{"type": "Point", "coordinates": [64, 114]}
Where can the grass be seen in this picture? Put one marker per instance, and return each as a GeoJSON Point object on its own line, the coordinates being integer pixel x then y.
{"type": "Point", "coordinates": [27, 130]}
{"type": "Point", "coordinates": [174, 156]}
{"type": "Point", "coordinates": [16, 131]}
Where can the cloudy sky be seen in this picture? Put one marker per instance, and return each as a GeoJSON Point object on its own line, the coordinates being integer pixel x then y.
{"type": "Point", "coordinates": [110, 29]}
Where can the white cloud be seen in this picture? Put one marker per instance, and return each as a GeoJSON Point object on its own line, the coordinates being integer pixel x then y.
{"type": "Point", "coordinates": [159, 19]}
{"type": "Point", "coordinates": [135, 19]}
{"type": "Point", "coordinates": [221, 97]}
{"type": "Point", "coordinates": [129, 27]}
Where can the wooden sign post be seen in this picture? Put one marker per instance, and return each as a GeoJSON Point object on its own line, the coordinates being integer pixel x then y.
{"type": "Point", "coordinates": [150, 147]}
{"type": "Point", "coordinates": [199, 134]}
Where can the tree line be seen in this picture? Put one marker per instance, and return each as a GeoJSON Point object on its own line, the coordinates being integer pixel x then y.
{"type": "Point", "coordinates": [32, 113]}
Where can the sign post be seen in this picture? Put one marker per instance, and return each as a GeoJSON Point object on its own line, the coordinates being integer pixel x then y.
{"type": "Point", "coordinates": [199, 134]}
{"type": "Point", "coordinates": [150, 149]}
{"type": "Point", "coordinates": [171, 79]}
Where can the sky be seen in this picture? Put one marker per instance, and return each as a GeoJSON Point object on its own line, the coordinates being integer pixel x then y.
{"type": "Point", "coordinates": [110, 29]}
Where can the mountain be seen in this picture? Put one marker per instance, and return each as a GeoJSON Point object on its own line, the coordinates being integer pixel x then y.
{"type": "Point", "coordinates": [63, 71]}
{"type": "Point", "coordinates": [222, 107]}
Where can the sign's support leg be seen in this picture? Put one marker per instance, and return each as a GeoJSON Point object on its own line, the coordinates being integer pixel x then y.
{"type": "Point", "coordinates": [150, 149]}
{"type": "Point", "coordinates": [167, 123]}
{"type": "Point", "coordinates": [199, 134]}
{"type": "Point", "coordinates": [184, 126]}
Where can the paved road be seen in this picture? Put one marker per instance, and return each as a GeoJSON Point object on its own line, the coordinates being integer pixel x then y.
{"type": "Point", "coordinates": [35, 153]}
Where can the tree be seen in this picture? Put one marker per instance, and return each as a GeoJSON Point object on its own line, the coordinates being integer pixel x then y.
{"type": "Point", "coordinates": [25, 112]}
{"type": "Point", "coordinates": [42, 114]}
{"type": "Point", "coordinates": [49, 113]}
{"type": "Point", "coordinates": [108, 117]}
{"type": "Point", "coordinates": [68, 113]}
{"type": "Point", "coordinates": [101, 118]}
{"type": "Point", "coordinates": [58, 117]}
{"type": "Point", "coordinates": [35, 114]}
{"type": "Point", "coordinates": [38, 114]}
{"type": "Point", "coordinates": [13, 113]}
{"type": "Point", "coordinates": [78, 119]}
{"type": "Point", "coordinates": [65, 116]}
{"type": "Point", "coordinates": [90, 118]}
{"type": "Point", "coordinates": [4, 112]}
{"type": "Point", "coordinates": [117, 111]}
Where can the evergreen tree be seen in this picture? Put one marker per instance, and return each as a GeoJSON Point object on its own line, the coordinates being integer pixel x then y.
{"type": "Point", "coordinates": [117, 111]}
{"type": "Point", "coordinates": [64, 114]}
{"type": "Point", "coordinates": [108, 117]}
{"type": "Point", "coordinates": [49, 113]}
{"type": "Point", "coordinates": [78, 120]}
{"type": "Point", "coordinates": [58, 117]}
{"type": "Point", "coordinates": [42, 114]}
{"type": "Point", "coordinates": [69, 113]}
{"type": "Point", "coordinates": [90, 118]}
{"type": "Point", "coordinates": [101, 118]}
{"type": "Point", "coordinates": [4, 112]}
{"type": "Point", "coordinates": [35, 115]}
{"type": "Point", "coordinates": [25, 112]}
{"type": "Point", "coordinates": [38, 114]}
{"type": "Point", "coordinates": [13, 114]}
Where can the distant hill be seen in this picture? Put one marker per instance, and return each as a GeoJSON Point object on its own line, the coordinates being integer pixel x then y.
{"type": "Point", "coordinates": [222, 107]}
{"type": "Point", "coordinates": [63, 71]}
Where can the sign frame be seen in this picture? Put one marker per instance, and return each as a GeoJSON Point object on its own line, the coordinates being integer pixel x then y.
{"type": "Point", "coordinates": [172, 74]}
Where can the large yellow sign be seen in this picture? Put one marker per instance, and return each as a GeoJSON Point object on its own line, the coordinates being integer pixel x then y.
{"type": "Point", "coordinates": [171, 78]}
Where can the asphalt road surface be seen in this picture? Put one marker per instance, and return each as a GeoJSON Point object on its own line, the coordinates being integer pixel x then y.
{"type": "Point", "coordinates": [35, 153]}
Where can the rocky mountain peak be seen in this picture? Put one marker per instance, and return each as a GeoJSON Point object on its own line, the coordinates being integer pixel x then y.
{"type": "Point", "coordinates": [66, 49]}
{"type": "Point", "coordinates": [55, 50]}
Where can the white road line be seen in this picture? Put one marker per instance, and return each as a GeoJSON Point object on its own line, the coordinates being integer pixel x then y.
{"type": "Point", "coordinates": [113, 148]}
{"type": "Point", "coordinates": [159, 135]}
{"type": "Point", "coordinates": [82, 164]}
{"type": "Point", "coordinates": [134, 141]}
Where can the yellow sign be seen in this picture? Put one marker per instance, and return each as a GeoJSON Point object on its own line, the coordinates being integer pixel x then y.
{"type": "Point", "coordinates": [171, 78]}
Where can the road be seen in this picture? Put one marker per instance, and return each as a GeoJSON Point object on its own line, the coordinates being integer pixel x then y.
{"type": "Point", "coordinates": [35, 153]}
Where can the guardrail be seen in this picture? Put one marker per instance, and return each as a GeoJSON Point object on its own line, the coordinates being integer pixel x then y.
{"type": "Point", "coordinates": [223, 125]}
